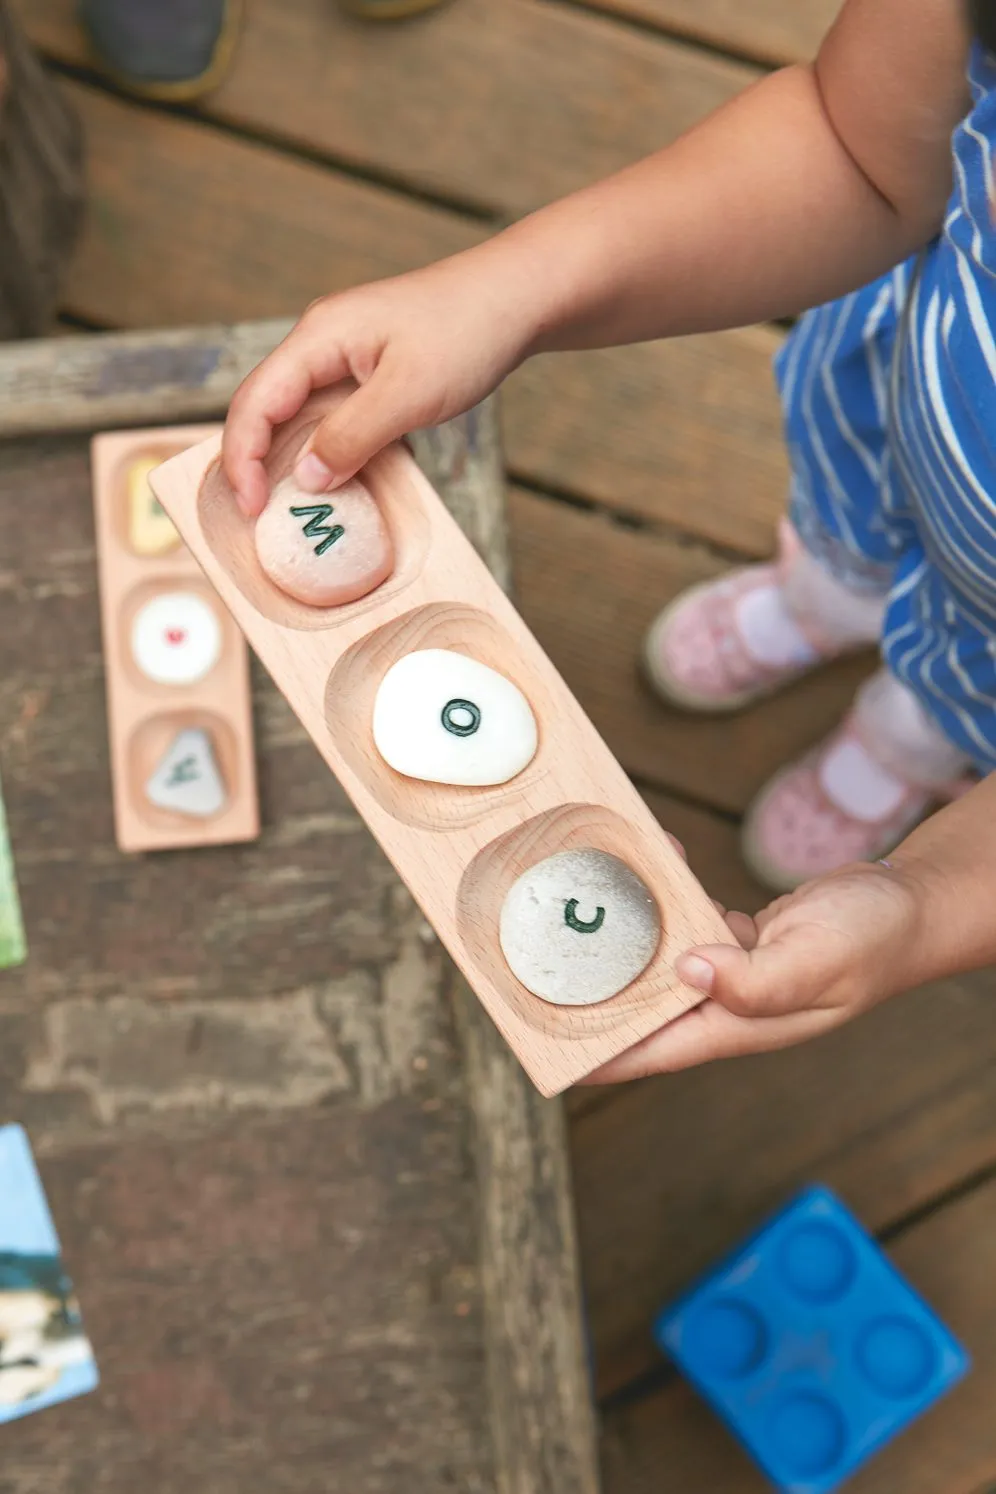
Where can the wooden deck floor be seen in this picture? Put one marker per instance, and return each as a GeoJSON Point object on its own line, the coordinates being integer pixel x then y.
{"type": "Point", "coordinates": [337, 152]}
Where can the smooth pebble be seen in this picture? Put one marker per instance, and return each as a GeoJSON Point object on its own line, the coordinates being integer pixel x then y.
{"type": "Point", "coordinates": [324, 551]}
{"type": "Point", "coordinates": [176, 638]}
{"type": "Point", "coordinates": [579, 927]}
{"type": "Point", "coordinates": [445, 718]}
{"type": "Point", "coordinates": [187, 779]}
{"type": "Point", "coordinates": [150, 529]}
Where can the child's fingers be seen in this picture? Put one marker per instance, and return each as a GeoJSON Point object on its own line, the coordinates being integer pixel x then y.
{"type": "Point", "coordinates": [381, 411]}
{"type": "Point", "coordinates": [743, 928]}
{"type": "Point", "coordinates": [767, 981]}
{"type": "Point", "coordinates": [273, 392]}
{"type": "Point", "coordinates": [710, 1032]}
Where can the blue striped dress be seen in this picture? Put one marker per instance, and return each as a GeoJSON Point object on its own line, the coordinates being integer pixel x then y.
{"type": "Point", "coordinates": [889, 397]}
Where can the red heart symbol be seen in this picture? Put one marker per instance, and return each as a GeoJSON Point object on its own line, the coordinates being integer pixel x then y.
{"type": "Point", "coordinates": [176, 635]}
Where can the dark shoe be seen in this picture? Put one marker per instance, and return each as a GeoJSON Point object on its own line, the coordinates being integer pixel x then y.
{"type": "Point", "coordinates": [163, 49]}
{"type": "Point", "coordinates": [387, 10]}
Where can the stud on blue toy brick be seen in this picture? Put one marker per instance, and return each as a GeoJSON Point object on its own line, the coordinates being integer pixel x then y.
{"type": "Point", "coordinates": [811, 1346]}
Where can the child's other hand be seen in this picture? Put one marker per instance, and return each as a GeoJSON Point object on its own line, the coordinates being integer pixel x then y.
{"type": "Point", "coordinates": [808, 963]}
{"type": "Point", "coordinates": [423, 348]}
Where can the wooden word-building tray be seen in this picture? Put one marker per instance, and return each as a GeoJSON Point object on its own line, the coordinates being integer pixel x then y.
{"type": "Point", "coordinates": [460, 849]}
{"type": "Point", "coordinates": [178, 701]}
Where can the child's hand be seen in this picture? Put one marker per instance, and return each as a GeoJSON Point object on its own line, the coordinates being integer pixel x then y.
{"type": "Point", "coordinates": [809, 962]}
{"type": "Point", "coordinates": [423, 348]}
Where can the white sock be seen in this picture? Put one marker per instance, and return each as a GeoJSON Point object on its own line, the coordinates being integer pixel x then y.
{"type": "Point", "coordinates": [858, 785]}
{"type": "Point", "coordinates": [902, 735]}
{"type": "Point", "coordinates": [770, 633]}
{"type": "Point", "coordinates": [904, 746]}
{"type": "Point", "coordinates": [841, 616]}
{"type": "Point", "coordinates": [776, 621]}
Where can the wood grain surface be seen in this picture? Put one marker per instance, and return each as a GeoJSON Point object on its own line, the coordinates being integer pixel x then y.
{"type": "Point", "coordinates": [639, 470]}
{"type": "Point", "coordinates": [769, 31]}
{"type": "Point", "coordinates": [498, 105]}
{"type": "Point", "coordinates": [308, 1196]}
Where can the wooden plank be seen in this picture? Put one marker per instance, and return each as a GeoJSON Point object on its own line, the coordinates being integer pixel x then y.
{"type": "Point", "coordinates": [539, 1394]}
{"type": "Point", "coordinates": [302, 986]}
{"type": "Point", "coordinates": [105, 380]}
{"type": "Point", "coordinates": [685, 433]}
{"type": "Point", "coordinates": [672, 1440]}
{"type": "Point", "coordinates": [767, 31]}
{"type": "Point", "coordinates": [185, 225]}
{"type": "Point", "coordinates": [638, 429]}
{"type": "Point", "coordinates": [260, 1365]}
{"type": "Point", "coordinates": [500, 103]}
{"type": "Point", "coordinates": [624, 577]}
{"type": "Point", "coordinates": [892, 1110]}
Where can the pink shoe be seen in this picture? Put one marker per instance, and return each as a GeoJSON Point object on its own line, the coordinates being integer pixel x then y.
{"type": "Point", "coordinates": [835, 806]}
{"type": "Point", "coordinates": [724, 644]}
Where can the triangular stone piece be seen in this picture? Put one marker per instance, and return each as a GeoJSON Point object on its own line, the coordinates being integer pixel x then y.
{"type": "Point", "coordinates": [187, 779]}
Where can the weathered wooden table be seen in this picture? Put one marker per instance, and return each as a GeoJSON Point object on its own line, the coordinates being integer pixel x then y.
{"type": "Point", "coordinates": [319, 1221]}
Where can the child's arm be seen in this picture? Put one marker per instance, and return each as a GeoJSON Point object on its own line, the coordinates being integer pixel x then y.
{"type": "Point", "coordinates": [807, 185]}
{"type": "Point", "coordinates": [833, 949]}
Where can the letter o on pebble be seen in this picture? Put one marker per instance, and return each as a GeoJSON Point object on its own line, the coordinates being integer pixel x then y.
{"type": "Point", "coordinates": [445, 718]}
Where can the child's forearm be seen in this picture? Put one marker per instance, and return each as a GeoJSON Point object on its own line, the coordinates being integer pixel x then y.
{"type": "Point", "coordinates": [808, 185]}
{"type": "Point", "coordinates": [950, 863]}
{"type": "Point", "coordinates": [758, 213]}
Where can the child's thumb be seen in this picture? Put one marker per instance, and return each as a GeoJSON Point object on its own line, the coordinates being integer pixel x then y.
{"type": "Point", "coordinates": [768, 981]}
{"type": "Point", "coordinates": [370, 419]}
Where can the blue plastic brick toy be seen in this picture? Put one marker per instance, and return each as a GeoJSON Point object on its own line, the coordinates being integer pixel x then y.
{"type": "Point", "coordinates": [811, 1346]}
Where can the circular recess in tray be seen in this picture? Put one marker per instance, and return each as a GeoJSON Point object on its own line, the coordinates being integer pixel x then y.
{"type": "Point", "coordinates": [175, 638]}
{"type": "Point", "coordinates": [578, 927]}
{"type": "Point", "coordinates": [403, 544]}
{"type": "Point", "coordinates": [143, 525]}
{"type": "Point", "coordinates": [726, 1340]}
{"type": "Point", "coordinates": [817, 1263]}
{"type": "Point", "coordinates": [182, 767]}
{"type": "Point", "coordinates": [441, 716]}
{"type": "Point", "coordinates": [808, 1436]}
{"type": "Point", "coordinates": [430, 712]}
{"type": "Point", "coordinates": [491, 876]}
{"type": "Point", "coordinates": [324, 551]}
{"type": "Point", "coordinates": [896, 1356]}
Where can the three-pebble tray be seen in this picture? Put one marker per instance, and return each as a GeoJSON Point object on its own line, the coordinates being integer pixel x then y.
{"type": "Point", "coordinates": [459, 849]}
{"type": "Point", "coordinates": [179, 709]}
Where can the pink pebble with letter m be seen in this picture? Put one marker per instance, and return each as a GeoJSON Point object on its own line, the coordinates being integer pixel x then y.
{"type": "Point", "coordinates": [326, 550]}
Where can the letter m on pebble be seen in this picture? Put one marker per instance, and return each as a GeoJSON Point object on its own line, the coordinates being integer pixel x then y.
{"type": "Point", "coordinates": [318, 527]}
